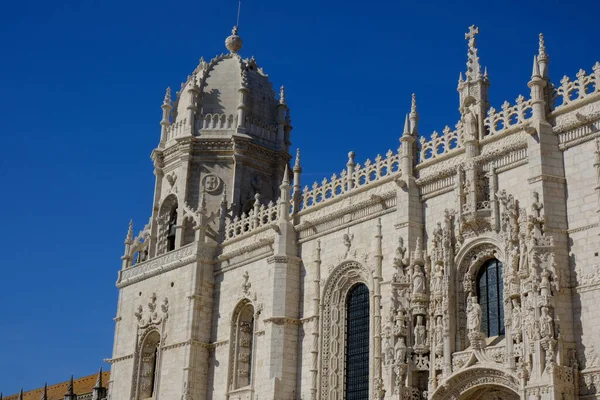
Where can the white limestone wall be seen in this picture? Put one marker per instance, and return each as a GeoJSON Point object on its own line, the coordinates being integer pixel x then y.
{"type": "Point", "coordinates": [435, 209]}
{"type": "Point", "coordinates": [176, 286]}
{"type": "Point", "coordinates": [584, 243]}
{"type": "Point", "coordinates": [514, 181]}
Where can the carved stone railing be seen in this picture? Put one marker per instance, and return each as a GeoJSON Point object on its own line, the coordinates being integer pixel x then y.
{"type": "Point", "coordinates": [165, 262]}
{"type": "Point", "coordinates": [176, 129]}
{"type": "Point", "coordinates": [216, 122]}
{"type": "Point", "coordinates": [251, 221]}
{"type": "Point", "coordinates": [337, 186]}
{"type": "Point", "coordinates": [262, 130]}
{"type": "Point", "coordinates": [438, 145]}
{"type": "Point", "coordinates": [570, 92]}
{"type": "Point", "coordinates": [510, 117]}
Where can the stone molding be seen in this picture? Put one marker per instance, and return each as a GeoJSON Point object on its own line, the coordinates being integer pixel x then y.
{"type": "Point", "coordinates": [276, 259]}
{"type": "Point", "coordinates": [547, 178]}
{"type": "Point", "coordinates": [118, 359]}
{"type": "Point", "coordinates": [156, 266]}
{"type": "Point", "coordinates": [582, 228]}
{"type": "Point", "coordinates": [471, 377]}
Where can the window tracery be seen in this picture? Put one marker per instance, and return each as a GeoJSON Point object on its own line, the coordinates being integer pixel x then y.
{"type": "Point", "coordinates": [357, 343]}
{"type": "Point", "coordinates": [148, 361]}
{"type": "Point", "coordinates": [490, 297]}
{"type": "Point", "coordinates": [242, 345]}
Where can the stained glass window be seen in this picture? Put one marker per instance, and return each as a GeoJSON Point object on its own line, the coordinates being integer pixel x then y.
{"type": "Point", "coordinates": [489, 296]}
{"type": "Point", "coordinates": [357, 344]}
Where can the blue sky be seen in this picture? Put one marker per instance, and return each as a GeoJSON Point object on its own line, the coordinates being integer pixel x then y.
{"type": "Point", "coordinates": [82, 82]}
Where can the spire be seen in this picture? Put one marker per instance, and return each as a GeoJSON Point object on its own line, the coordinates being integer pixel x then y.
{"type": "Point", "coordinates": [21, 394]}
{"type": "Point", "coordinates": [536, 68]}
{"type": "Point", "coordinates": [473, 67]}
{"type": "Point", "coordinates": [234, 42]}
{"type": "Point", "coordinates": [282, 95]}
{"type": "Point", "coordinates": [286, 177]}
{"type": "Point", "coordinates": [460, 78]}
{"type": "Point", "coordinates": [297, 163]}
{"type": "Point", "coordinates": [414, 116]}
{"type": "Point", "coordinates": [406, 126]}
{"type": "Point", "coordinates": [44, 395]}
{"type": "Point", "coordinates": [167, 100]}
{"type": "Point", "coordinates": [98, 379]}
{"type": "Point", "coordinates": [542, 49]}
{"type": "Point", "coordinates": [129, 238]}
{"type": "Point", "coordinates": [69, 395]}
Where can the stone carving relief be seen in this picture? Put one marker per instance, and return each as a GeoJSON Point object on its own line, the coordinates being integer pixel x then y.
{"type": "Point", "coordinates": [212, 184]}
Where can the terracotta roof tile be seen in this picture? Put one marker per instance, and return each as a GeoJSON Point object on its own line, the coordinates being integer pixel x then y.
{"type": "Point", "coordinates": [81, 386]}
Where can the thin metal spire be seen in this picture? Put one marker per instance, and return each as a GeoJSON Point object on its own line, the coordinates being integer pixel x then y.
{"type": "Point", "coordinates": [238, 14]}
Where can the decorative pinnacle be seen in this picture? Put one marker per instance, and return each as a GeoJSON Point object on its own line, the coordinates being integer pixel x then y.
{"type": "Point", "coordinates": [413, 104]}
{"type": "Point", "coordinates": [473, 67]}
{"type": "Point", "coordinates": [406, 126]}
{"type": "Point", "coordinates": [542, 49]}
{"type": "Point", "coordinates": [70, 388]}
{"type": "Point", "coordinates": [98, 384]}
{"type": "Point", "coordinates": [536, 68]}
{"type": "Point", "coordinates": [224, 196]}
{"type": "Point", "coordinates": [44, 395]}
{"type": "Point", "coordinates": [234, 42]}
{"type": "Point", "coordinates": [167, 96]}
{"type": "Point", "coordinates": [460, 78]}
{"type": "Point", "coordinates": [297, 163]}
{"type": "Point", "coordinates": [129, 238]}
{"type": "Point", "coordinates": [286, 177]}
{"type": "Point", "coordinates": [21, 394]}
{"type": "Point", "coordinates": [282, 95]}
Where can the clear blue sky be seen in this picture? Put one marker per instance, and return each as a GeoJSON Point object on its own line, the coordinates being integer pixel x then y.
{"type": "Point", "coordinates": [82, 82]}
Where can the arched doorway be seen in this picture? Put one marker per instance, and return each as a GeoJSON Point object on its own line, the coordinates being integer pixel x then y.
{"type": "Point", "coordinates": [489, 392]}
{"type": "Point", "coordinates": [479, 383]}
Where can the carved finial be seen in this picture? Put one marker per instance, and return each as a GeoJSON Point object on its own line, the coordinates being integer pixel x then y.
{"type": "Point", "coordinates": [413, 104]}
{"type": "Point", "coordinates": [129, 237]}
{"type": "Point", "coordinates": [485, 73]}
{"type": "Point", "coordinates": [44, 395]}
{"type": "Point", "coordinates": [167, 100]}
{"type": "Point", "coordinates": [473, 67]}
{"type": "Point", "coordinates": [542, 48]}
{"type": "Point", "coordinates": [234, 42]}
{"type": "Point", "coordinates": [297, 162]}
{"type": "Point", "coordinates": [460, 78]}
{"type": "Point", "coordinates": [282, 95]}
{"type": "Point", "coordinates": [536, 68]}
{"type": "Point", "coordinates": [351, 156]}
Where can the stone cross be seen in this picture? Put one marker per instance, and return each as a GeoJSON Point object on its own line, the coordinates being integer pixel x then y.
{"type": "Point", "coordinates": [473, 30]}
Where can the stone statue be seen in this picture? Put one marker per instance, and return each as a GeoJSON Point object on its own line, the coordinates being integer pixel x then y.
{"type": "Point", "coordinates": [470, 123]}
{"type": "Point", "coordinates": [516, 316]}
{"type": "Point", "coordinates": [418, 280]}
{"type": "Point", "coordinates": [400, 350]}
{"type": "Point", "coordinates": [420, 332]}
{"type": "Point", "coordinates": [388, 349]}
{"type": "Point", "coordinates": [546, 329]}
{"type": "Point", "coordinates": [438, 277]}
{"type": "Point", "coordinates": [439, 331]}
{"type": "Point", "coordinates": [473, 314]}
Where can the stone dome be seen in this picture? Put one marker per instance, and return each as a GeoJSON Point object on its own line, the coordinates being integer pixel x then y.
{"type": "Point", "coordinates": [219, 82]}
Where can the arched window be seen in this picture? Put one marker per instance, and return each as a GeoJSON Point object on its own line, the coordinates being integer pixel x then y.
{"type": "Point", "coordinates": [490, 297]}
{"type": "Point", "coordinates": [243, 335]}
{"type": "Point", "coordinates": [356, 385]}
{"type": "Point", "coordinates": [148, 366]}
{"type": "Point", "coordinates": [172, 229]}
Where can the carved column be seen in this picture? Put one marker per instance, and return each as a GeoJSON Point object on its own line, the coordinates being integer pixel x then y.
{"type": "Point", "coordinates": [377, 374]}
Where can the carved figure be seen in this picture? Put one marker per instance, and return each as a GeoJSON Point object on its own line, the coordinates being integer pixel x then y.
{"type": "Point", "coordinates": [473, 314]}
{"type": "Point", "coordinates": [438, 277]}
{"type": "Point", "coordinates": [418, 280]}
{"type": "Point", "coordinates": [388, 349]}
{"type": "Point", "coordinates": [400, 350]}
{"type": "Point", "coordinates": [420, 332]}
{"type": "Point", "coordinates": [439, 331]}
{"type": "Point", "coordinates": [546, 329]}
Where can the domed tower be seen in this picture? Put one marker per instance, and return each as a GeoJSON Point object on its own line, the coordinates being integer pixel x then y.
{"type": "Point", "coordinates": [226, 135]}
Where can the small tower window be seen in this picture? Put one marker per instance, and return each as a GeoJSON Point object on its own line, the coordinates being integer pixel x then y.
{"type": "Point", "coordinates": [243, 335]}
{"type": "Point", "coordinates": [172, 230]}
{"type": "Point", "coordinates": [148, 366]}
{"type": "Point", "coordinates": [490, 297]}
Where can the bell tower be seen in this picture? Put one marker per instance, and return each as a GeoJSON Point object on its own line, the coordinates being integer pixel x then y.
{"type": "Point", "coordinates": [225, 137]}
{"type": "Point", "coordinates": [223, 151]}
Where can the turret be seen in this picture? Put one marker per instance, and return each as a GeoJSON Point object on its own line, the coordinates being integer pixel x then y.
{"type": "Point", "coordinates": [281, 112]}
{"type": "Point", "coordinates": [407, 149]}
{"type": "Point", "coordinates": [297, 184]}
{"type": "Point", "coordinates": [193, 92]}
{"type": "Point", "coordinates": [284, 200]}
{"type": "Point", "coordinates": [414, 116]}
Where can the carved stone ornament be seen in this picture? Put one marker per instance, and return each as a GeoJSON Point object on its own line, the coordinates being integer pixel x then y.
{"type": "Point", "coordinates": [152, 317]}
{"type": "Point", "coordinates": [212, 184]}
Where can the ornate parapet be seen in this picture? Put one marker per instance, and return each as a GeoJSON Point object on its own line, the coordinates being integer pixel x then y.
{"type": "Point", "coordinates": [166, 262]}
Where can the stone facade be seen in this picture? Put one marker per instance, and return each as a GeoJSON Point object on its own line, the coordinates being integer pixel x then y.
{"type": "Point", "coordinates": [237, 287]}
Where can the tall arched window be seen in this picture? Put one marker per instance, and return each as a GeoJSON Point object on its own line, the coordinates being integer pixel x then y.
{"type": "Point", "coordinates": [356, 385]}
{"type": "Point", "coordinates": [243, 340]}
{"type": "Point", "coordinates": [172, 229]}
{"type": "Point", "coordinates": [148, 366]}
{"type": "Point", "coordinates": [490, 297]}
